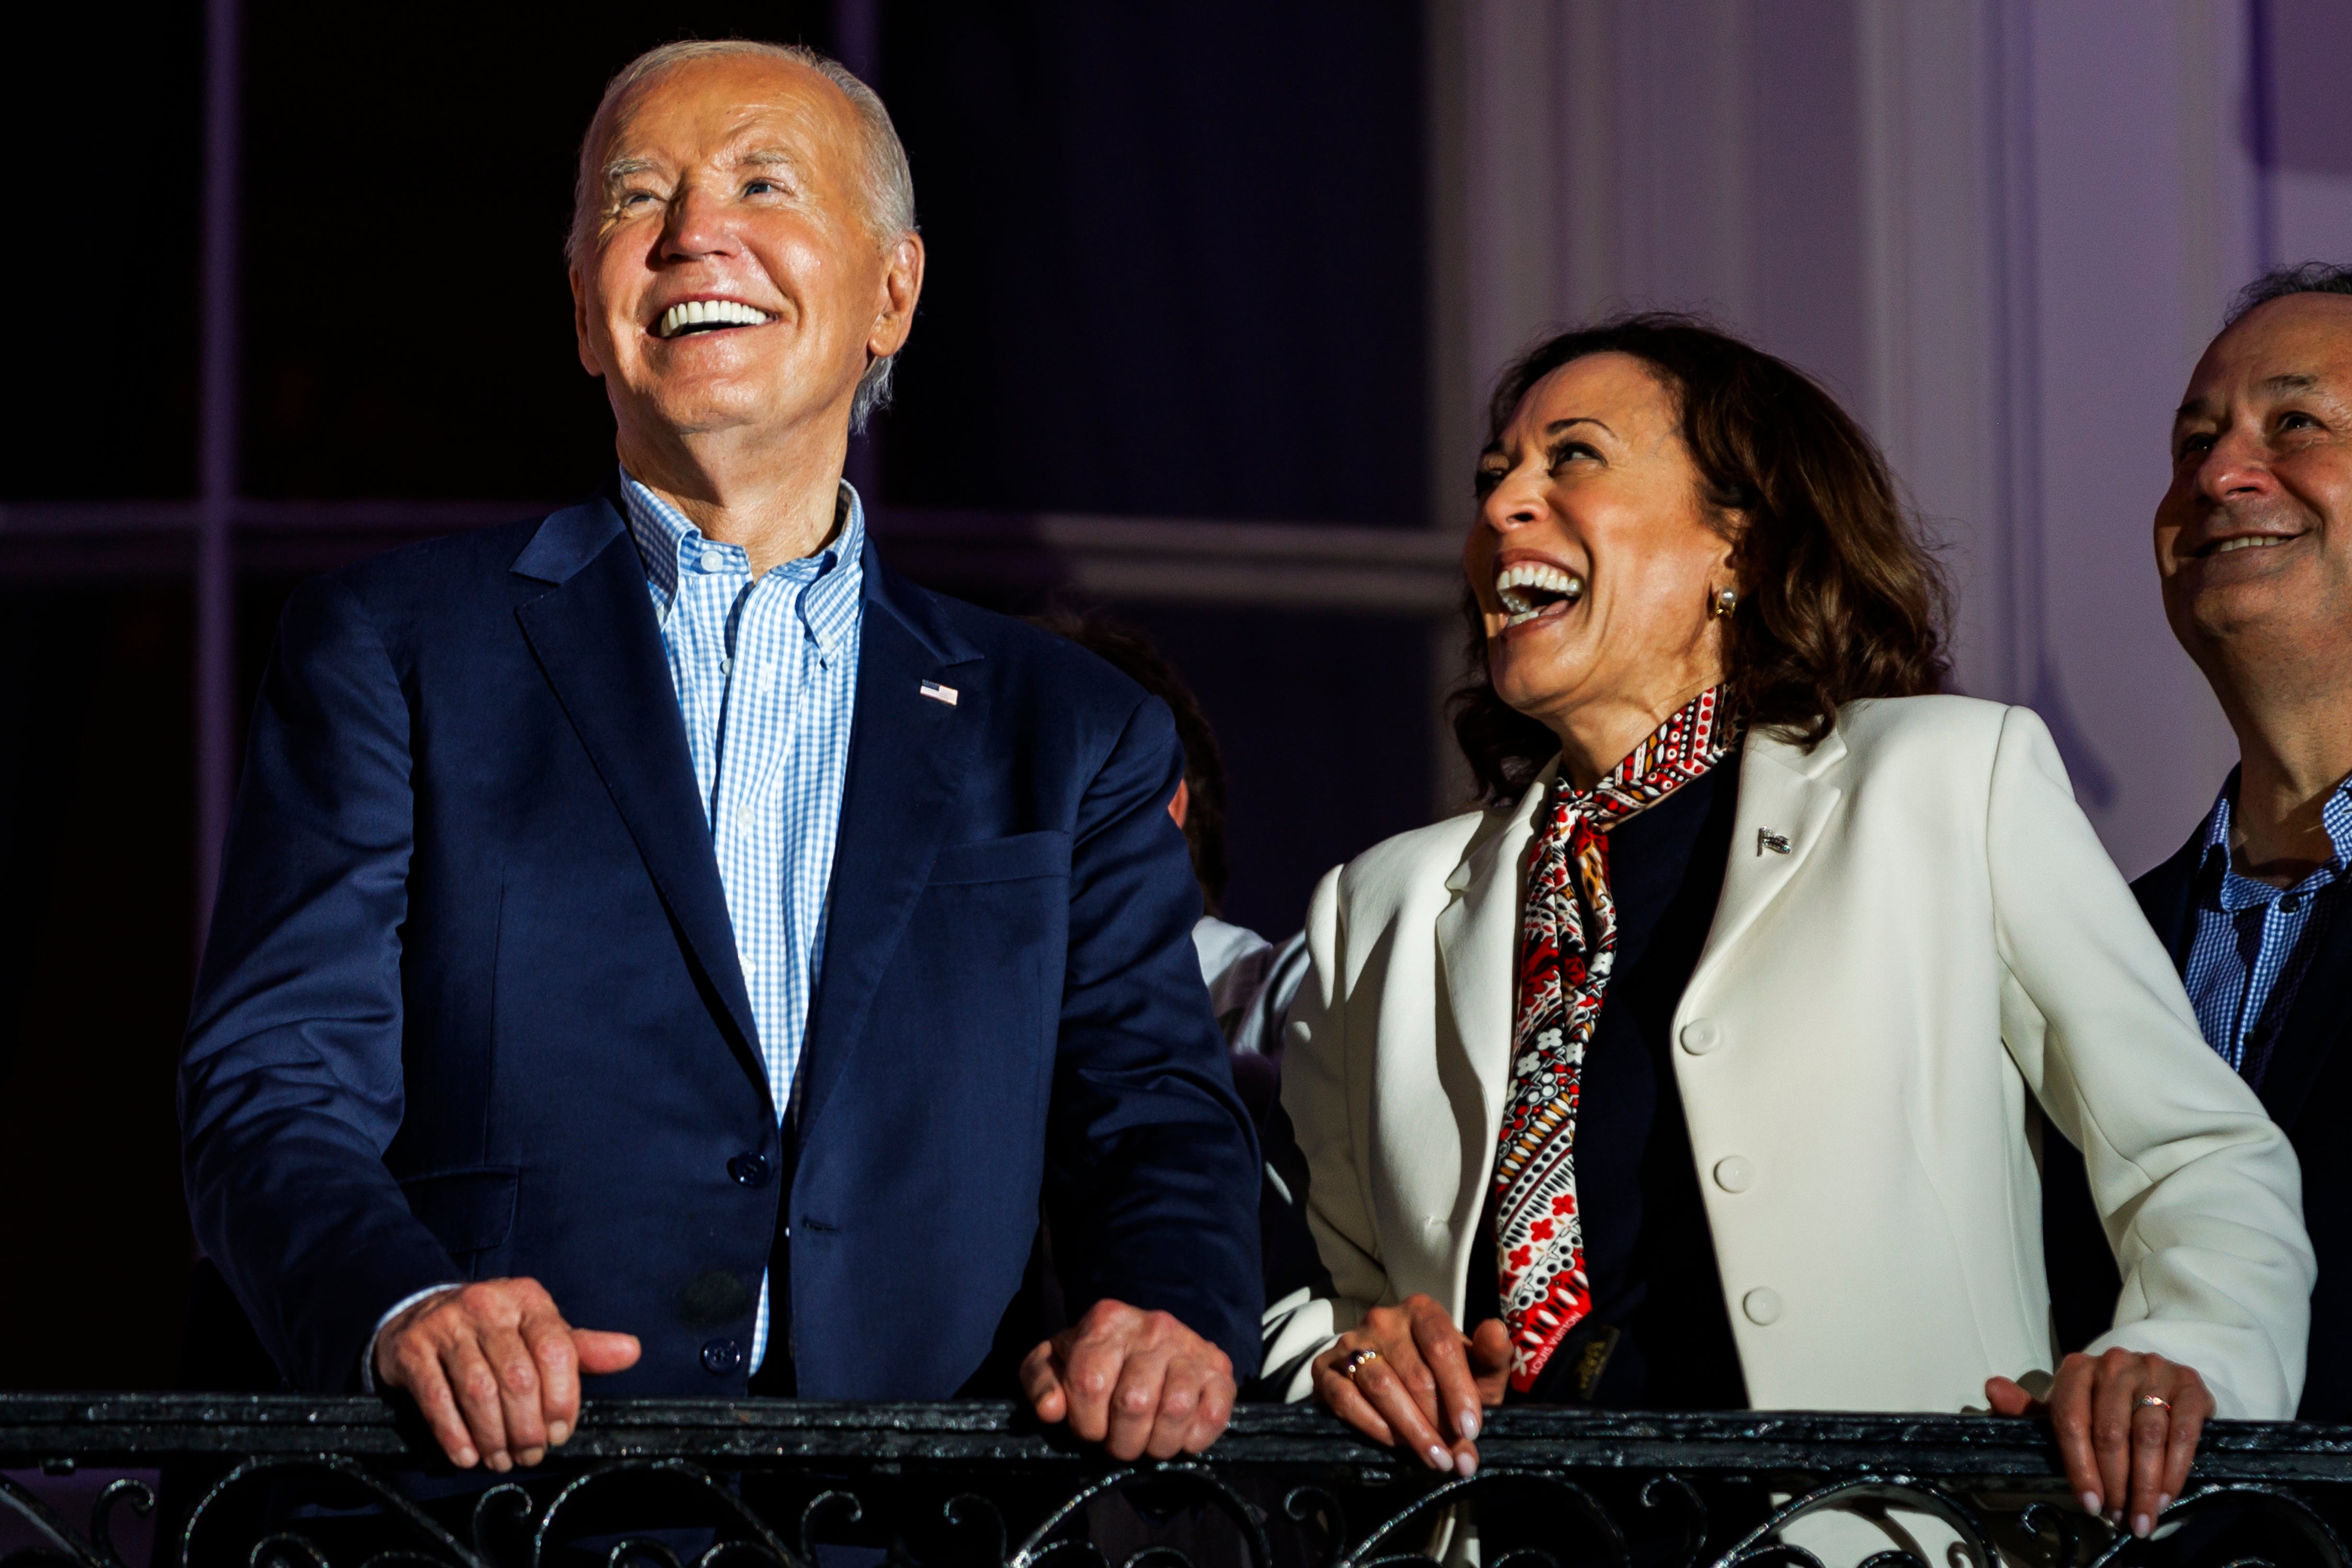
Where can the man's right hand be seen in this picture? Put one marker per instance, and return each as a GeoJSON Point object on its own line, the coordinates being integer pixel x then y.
{"type": "Point", "coordinates": [495, 1369]}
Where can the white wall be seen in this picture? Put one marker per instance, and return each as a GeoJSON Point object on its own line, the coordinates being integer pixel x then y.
{"type": "Point", "coordinates": [2000, 230]}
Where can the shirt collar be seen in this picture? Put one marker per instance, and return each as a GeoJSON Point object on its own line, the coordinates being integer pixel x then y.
{"type": "Point", "coordinates": [832, 580]}
{"type": "Point", "coordinates": [2237, 892]}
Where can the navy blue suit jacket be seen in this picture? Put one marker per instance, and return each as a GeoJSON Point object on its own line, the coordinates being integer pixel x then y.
{"type": "Point", "coordinates": [470, 1006]}
{"type": "Point", "coordinates": [2306, 1088]}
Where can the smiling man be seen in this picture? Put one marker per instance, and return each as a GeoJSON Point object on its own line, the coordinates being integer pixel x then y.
{"type": "Point", "coordinates": [664, 919]}
{"type": "Point", "coordinates": [2253, 546]}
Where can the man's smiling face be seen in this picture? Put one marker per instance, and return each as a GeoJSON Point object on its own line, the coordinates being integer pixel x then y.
{"type": "Point", "coordinates": [2254, 539]}
{"type": "Point", "coordinates": [731, 275]}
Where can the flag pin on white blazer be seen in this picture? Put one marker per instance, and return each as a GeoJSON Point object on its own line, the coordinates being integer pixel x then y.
{"type": "Point", "coordinates": [1767, 840]}
{"type": "Point", "coordinates": [938, 693]}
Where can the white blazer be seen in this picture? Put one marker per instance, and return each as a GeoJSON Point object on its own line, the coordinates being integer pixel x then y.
{"type": "Point", "coordinates": [1860, 1049]}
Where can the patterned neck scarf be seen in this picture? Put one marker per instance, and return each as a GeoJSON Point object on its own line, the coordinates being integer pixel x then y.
{"type": "Point", "coordinates": [1567, 946]}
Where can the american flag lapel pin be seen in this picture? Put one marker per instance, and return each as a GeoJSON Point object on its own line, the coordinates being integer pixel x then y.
{"type": "Point", "coordinates": [1767, 840]}
{"type": "Point", "coordinates": [938, 693]}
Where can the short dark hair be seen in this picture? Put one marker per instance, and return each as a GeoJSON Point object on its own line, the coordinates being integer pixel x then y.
{"type": "Point", "coordinates": [1127, 649]}
{"type": "Point", "coordinates": [1838, 595]}
{"type": "Point", "coordinates": [2303, 278]}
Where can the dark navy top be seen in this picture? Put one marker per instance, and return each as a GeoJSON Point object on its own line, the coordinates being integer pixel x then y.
{"type": "Point", "coordinates": [1647, 1249]}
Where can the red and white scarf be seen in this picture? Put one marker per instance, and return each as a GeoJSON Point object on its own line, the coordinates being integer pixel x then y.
{"type": "Point", "coordinates": [1567, 946]}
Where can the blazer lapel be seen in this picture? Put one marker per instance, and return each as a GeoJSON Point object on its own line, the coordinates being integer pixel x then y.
{"type": "Point", "coordinates": [2316, 1026]}
{"type": "Point", "coordinates": [597, 641]}
{"type": "Point", "coordinates": [1785, 801]}
{"type": "Point", "coordinates": [908, 754]}
{"type": "Point", "coordinates": [1479, 939]}
{"type": "Point", "coordinates": [2168, 897]}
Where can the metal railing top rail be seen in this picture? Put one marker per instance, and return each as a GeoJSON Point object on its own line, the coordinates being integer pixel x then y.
{"type": "Point", "coordinates": [45, 1429]}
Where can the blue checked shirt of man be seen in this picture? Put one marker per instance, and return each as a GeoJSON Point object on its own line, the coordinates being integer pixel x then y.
{"type": "Point", "coordinates": [2254, 942]}
{"type": "Point", "coordinates": [766, 672]}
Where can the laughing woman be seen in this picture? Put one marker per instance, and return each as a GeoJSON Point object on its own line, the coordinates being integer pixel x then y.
{"type": "Point", "coordinates": [1701, 1069]}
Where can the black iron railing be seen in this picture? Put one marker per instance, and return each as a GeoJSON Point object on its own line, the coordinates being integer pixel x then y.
{"type": "Point", "coordinates": [305, 1483]}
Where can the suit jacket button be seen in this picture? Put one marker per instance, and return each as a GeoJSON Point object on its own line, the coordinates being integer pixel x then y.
{"type": "Point", "coordinates": [1701, 1035]}
{"type": "Point", "coordinates": [1734, 1173]}
{"type": "Point", "coordinates": [1762, 1306]}
{"type": "Point", "coordinates": [750, 1170]}
{"type": "Point", "coordinates": [721, 1357]}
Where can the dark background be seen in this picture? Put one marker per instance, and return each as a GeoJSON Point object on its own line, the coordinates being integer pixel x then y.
{"type": "Point", "coordinates": [1176, 271]}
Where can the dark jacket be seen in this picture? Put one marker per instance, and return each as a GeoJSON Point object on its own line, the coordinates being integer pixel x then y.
{"type": "Point", "coordinates": [471, 1007]}
{"type": "Point", "coordinates": [2308, 1089]}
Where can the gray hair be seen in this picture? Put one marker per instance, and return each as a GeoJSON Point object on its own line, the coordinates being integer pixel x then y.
{"type": "Point", "coordinates": [889, 184]}
{"type": "Point", "coordinates": [2305, 278]}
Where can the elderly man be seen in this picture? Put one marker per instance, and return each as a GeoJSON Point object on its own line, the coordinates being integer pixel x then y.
{"type": "Point", "coordinates": [2253, 546]}
{"type": "Point", "coordinates": [662, 917]}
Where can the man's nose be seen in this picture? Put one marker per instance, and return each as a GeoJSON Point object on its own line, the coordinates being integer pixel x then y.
{"type": "Point", "coordinates": [2236, 468]}
{"type": "Point", "coordinates": [697, 224]}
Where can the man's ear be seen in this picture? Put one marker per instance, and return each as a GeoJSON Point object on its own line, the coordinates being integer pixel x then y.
{"type": "Point", "coordinates": [902, 285]}
{"type": "Point", "coordinates": [588, 360]}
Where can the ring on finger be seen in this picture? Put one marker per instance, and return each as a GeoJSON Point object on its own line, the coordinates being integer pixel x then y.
{"type": "Point", "coordinates": [2152, 1402]}
{"type": "Point", "coordinates": [1355, 1362]}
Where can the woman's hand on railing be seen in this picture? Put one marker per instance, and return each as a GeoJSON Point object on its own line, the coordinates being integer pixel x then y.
{"type": "Point", "coordinates": [2127, 1422]}
{"type": "Point", "coordinates": [1426, 1385]}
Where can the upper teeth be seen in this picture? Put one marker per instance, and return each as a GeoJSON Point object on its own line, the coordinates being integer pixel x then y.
{"type": "Point", "coordinates": [2246, 541]}
{"type": "Point", "coordinates": [1534, 575]}
{"type": "Point", "coordinates": [707, 312]}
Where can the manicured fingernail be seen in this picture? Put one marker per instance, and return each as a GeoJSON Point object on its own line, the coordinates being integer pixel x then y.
{"type": "Point", "coordinates": [559, 1432]}
{"type": "Point", "coordinates": [465, 1459]}
{"type": "Point", "coordinates": [2163, 1501]}
{"type": "Point", "coordinates": [530, 1456]}
{"type": "Point", "coordinates": [2090, 1501]}
{"type": "Point", "coordinates": [1465, 1465]}
{"type": "Point", "coordinates": [500, 1463]}
{"type": "Point", "coordinates": [2115, 1516]}
{"type": "Point", "coordinates": [1439, 1458]}
{"type": "Point", "coordinates": [1468, 1422]}
{"type": "Point", "coordinates": [2139, 1525]}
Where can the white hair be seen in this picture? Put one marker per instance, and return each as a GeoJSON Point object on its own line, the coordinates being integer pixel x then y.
{"type": "Point", "coordinates": [889, 184]}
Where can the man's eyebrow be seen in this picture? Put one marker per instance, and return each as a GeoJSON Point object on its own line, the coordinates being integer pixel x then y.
{"type": "Point", "coordinates": [2294, 381]}
{"type": "Point", "coordinates": [620, 169]}
{"type": "Point", "coordinates": [767, 157]}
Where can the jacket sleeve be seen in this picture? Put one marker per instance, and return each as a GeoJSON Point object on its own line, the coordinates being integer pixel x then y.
{"type": "Point", "coordinates": [1302, 1325]}
{"type": "Point", "coordinates": [1151, 1163]}
{"type": "Point", "coordinates": [2199, 1191]}
{"type": "Point", "coordinates": [291, 1083]}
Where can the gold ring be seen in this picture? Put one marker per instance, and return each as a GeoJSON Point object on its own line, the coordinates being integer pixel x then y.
{"type": "Point", "coordinates": [1355, 1362]}
{"type": "Point", "coordinates": [2152, 1402]}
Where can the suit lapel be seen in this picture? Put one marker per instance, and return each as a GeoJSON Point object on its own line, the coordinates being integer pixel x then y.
{"type": "Point", "coordinates": [1479, 939]}
{"type": "Point", "coordinates": [2316, 1026]}
{"type": "Point", "coordinates": [2168, 897]}
{"type": "Point", "coordinates": [597, 641]}
{"type": "Point", "coordinates": [908, 756]}
{"type": "Point", "coordinates": [1785, 797]}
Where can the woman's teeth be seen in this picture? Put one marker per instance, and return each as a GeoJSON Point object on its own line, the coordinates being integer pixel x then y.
{"type": "Point", "coordinates": [1527, 588]}
{"type": "Point", "coordinates": [693, 315]}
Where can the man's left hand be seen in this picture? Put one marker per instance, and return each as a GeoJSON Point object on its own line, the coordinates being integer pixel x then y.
{"type": "Point", "coordinates": [2127, 1422]}
{"type": "Point", "coordinates": [1141, 1381]}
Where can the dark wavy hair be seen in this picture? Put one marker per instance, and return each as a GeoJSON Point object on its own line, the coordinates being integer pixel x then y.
{"type": "Point", "coordinates": [1838, 595]}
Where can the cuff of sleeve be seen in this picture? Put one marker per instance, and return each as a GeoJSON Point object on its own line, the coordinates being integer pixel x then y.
{"type": "Point", "coordinates": [367, 1356]}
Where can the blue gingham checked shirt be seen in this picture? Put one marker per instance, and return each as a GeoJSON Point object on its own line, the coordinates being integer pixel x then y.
{"type": "Point", "coordinates": [766, 674]}
{"type": "Point", "coordinates": [2254, 942]}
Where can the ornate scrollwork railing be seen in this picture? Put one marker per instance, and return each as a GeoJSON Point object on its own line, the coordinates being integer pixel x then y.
{"type": "Point", "coordinates": [284, 1481]}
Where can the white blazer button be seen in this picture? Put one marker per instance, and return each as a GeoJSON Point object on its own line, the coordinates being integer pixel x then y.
{"type": "Point", "coordinates": [1762, 1306]}
{"type": "Point", "coordinates": [1701, 1035]}
{"type": "Point", "coordinates": [1734, 1174]}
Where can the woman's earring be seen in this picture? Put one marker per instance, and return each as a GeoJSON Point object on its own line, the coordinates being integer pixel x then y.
{"type": "Point", "coordinates": [1726, 601]}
